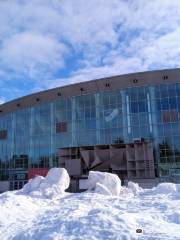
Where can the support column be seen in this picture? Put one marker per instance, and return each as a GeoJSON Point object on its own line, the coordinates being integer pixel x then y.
{"type": "Point", "coordinates": [98, 124]}
{"type": "Point", "coordinates": [149, 113]}
{"type": "Point", "coordinates": [13, 134]}
{"type": "Point", "coordinates": [31, 136]}
{"type": "Point", "coordinates": [74, 131]}
{"type": "Point", "coordinates": [52, 126]}
{"type": "Point", "coordinates": [153, 112]}
{"type": "Point", "coordinates": [126, 120]}
{"type": "Point", "coordinates": [13, 147]}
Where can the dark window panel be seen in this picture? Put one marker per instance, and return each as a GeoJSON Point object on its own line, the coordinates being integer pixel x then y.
{"type": "Point", "coordinates": [3, 134]}
{"type": "Point", "coordinates": [165, 104]}
{"type": "Point", "coordinates": [158, 103]}
{"type": "Point", "coordinates": [142, 106]}
{"type": "Point", "coordinates": [172, 103]}
{"type": "Point", "coordinates": [178, 102]}
{"type": "Point", "coordinates": [133, 107]}
{"type": "Point", "coordinates": [170, 116]}
{"type": "Point", "coordinates": [157, 92]}
{"type": "Point", "coordinates": [172, 90]}
{"type": "Point", "coordinates": [177, 159]}
{"type": "Point", "coordinates": [61, 127]}
{"type": "Point", "coordinates": [164, 91]}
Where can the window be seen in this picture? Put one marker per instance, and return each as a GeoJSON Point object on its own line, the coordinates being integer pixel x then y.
{"type": "Point", "coordinates": [170, 116]}
{"type": "Point", "coordinates": [3, 134]}
{"type": "Point", "coordinates": [172, 103]}
{"type": "Point", "coordinates": [61, 127]}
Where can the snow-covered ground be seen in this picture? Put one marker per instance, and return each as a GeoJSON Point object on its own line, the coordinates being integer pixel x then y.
{"type": "Point", "coordinates": [42, 210]}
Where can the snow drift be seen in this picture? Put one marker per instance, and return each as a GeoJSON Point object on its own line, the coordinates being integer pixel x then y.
{"type": "Point", "coordinates": [135, 188]}
{"type": "Point", "coordinates": [104, 183]}
{"type": "Point", "coordinates": [58, 180]}
{"type": "Point", "coordinates": [53, 185]}
{"type": "Point", "coordinates": [166, 188]}
{"type": "Point", "coordinates": [88, 215]}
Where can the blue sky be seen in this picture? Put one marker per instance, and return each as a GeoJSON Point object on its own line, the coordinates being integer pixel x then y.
{"type": "Point", "coordinates": [49, 43]}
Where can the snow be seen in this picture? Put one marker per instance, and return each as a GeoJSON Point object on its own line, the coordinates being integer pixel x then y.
{"type": "Point", "coordinates": [134, 187]}
{"type": "Point", "coordinates": [165, 188]}
{"type": "Point", "coordinates": [99, 213]}
{"type": "Point", "coordinates": [103, 182]}
{"type": "Point", "coordinates": [101, 189]}
{"type": "Point", "coordinates": [53, 185]}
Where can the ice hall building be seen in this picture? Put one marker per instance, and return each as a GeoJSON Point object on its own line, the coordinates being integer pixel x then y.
{"type": "Point", "coordinates": [128, 125]}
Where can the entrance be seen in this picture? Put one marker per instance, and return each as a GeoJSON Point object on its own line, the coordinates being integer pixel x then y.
{"type": "Point", "coordinates": [18, 178]}
{"type": "Point", "coordinates": [15, 185]}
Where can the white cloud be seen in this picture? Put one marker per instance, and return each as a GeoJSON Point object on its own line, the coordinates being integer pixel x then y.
{"type": "Point", "coordinates": [2, 100]}
{"type": "Point", "coordinates": [32, 53]}
{"type": "Point", "coordinates": [164, 50]}
{"type": "Point", "coordinates": [117, 66]}
{"type": "Point", "coordinates": [38, 37]}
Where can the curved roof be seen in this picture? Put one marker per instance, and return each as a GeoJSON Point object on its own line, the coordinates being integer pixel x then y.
{"type": "Point", "coordinates": [104, 84]}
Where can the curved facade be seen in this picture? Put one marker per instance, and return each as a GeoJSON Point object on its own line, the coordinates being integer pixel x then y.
{"type": "Point", "coordinates": [140, 107]}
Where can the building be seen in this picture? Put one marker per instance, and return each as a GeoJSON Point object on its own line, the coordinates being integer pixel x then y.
{"type": "Point", "coordinates": [128, 124]}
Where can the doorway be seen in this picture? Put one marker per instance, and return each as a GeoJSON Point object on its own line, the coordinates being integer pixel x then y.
{"type": "Point", "coordinates": [16, 185]}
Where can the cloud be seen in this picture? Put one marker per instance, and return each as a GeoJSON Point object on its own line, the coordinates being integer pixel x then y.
{"type": "Point", "coordinates": [118, 65]}
{"type": "Point", "coordinates": [32, 54]}
{"type": "Point", "coordinates": [163, 51]}
{"type": "Point", "coordinates": [2, 100]}
{"type": "Point", "coordinates": [50, 43]}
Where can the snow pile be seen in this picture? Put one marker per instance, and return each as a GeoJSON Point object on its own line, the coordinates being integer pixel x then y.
{"type": "Point", "coordinates": [57, 181]}
{"type": "Point", "coordinates": [135, 188]}
{"type": "Point", "coordinates": [104, 183]}
{"type": "Point", "coordinates": [165, 188]}
{"type": "Point", "coordinates": [33, 184]}
{"type": "Point", "coordinates": [170, 189]}
{"type": "Point", "coordinates": [53, 185]}
{"type": "Point", "coordinates": [88, 215]}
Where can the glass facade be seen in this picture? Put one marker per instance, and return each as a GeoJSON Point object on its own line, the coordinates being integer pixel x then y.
{"type": "Point", "coordinates": [31, 137]}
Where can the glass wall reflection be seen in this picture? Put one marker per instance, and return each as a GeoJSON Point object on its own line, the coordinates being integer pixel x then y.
{"type": "Point", "coordinates": [32, 137]}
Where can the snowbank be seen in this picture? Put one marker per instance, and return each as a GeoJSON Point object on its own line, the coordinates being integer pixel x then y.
{"type": "Point", "coordinates": [165, 188]}
{"type": "Point", "coordinates": [170, 189]}
{"type": "Point", "coordinates": [53, 185]}
{"type": "Point", "coordinates": [104, 183]}
{"type": "Point", "coordinates": [101, 189]}
{"type": "Point", "coordinates": [89, 215]}
{"type": "Point", "coordinates": [135, 188]}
